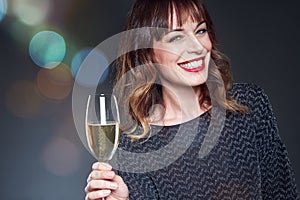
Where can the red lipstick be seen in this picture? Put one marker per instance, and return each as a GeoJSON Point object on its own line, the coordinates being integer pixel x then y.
{"type": "Point", "coordinates": [194, 65]}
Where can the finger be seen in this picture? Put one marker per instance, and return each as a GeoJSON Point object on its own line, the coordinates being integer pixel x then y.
{"type": "Point", "coordinates": [97, 194]}
{"type": "Point", "coordinates": [96, 175]}
{"type": "Point", "coordinates": [100, 184]}
{"type": "Point", "coordinates": [118, 179]}
{"type": "Point", "coordinates": [122, 187]}
{"type": "Point", "coordinates": [101, 166]}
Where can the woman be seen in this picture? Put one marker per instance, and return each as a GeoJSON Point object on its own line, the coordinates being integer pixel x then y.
{"type": "Point", "coordinates": [170, 85]}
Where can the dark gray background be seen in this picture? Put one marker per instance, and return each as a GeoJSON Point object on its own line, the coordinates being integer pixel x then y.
{"type": "Point", "coordinates": [260, 37]}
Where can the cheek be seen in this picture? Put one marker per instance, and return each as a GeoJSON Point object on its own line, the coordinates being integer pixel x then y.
{"type": "Point", "coordinates": [206, 43]}
{"type": "Point", "coordinates": [158, 55]}
{"type": "Point", "coordinates": [164, 57]}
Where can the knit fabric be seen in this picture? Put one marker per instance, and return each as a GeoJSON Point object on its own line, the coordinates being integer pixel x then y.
{"type": "Point", "coordinates": [249, 161]}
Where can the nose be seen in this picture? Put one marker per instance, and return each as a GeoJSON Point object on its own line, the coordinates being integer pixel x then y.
{"type": "Point", "coordinates": [194, 45]}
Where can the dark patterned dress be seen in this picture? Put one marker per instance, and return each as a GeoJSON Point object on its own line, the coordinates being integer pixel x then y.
{"type": "Point", "coordinates": [249, 160]}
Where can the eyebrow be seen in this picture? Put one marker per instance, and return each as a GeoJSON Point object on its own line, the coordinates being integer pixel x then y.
{"type": "Point", "coordinates": [180, 29]}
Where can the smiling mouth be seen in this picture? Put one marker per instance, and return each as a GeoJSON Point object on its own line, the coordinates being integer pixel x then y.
{"type": "Point", "coordinates": [194, 65]}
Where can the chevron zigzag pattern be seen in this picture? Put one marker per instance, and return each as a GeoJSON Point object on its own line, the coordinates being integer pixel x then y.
{"type": "Point", "coordinates": [248, 162]}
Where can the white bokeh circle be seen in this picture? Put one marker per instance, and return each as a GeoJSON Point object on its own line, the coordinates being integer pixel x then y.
{"type": "Point", "coordinates": [143, 162]}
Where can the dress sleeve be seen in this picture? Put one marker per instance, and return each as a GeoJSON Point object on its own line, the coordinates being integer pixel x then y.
{"type": "Point", "coordinates": [277, 176]}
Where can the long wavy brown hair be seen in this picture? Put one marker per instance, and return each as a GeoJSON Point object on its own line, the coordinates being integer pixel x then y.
{"type": "Point", "coordinates": [137, 81]}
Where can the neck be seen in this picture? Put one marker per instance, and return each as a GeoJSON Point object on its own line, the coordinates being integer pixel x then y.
{"type": "Point", "coordinates": [181, 104]}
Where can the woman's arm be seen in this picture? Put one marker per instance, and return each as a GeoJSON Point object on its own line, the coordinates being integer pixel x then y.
{"type": "Point", "coordinates": [277, 176]}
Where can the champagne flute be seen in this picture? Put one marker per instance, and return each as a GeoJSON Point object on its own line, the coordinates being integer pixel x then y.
{"type": "Point", "coordinates": [102, 126]}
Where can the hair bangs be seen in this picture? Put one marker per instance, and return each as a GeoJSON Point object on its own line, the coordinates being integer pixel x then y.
{"type": "Point", "coordinates": [169, 12]}
{"type": "Point", "coordinates": [182, 11]}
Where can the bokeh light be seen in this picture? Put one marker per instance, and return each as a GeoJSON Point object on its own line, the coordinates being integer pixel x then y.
{"type": "Point", "coordinates": [61, 157]}
{"type": "Point", "coordinates": [47, 49]}
{"type": "Point", "coordinates": [90, 68]}
{"type": "Point", "coordinates": [78, 59]}
{"type": "Point", "coordinates": [31, 12]}
{"type": "Point", "coordinates": [23, 100]}
{"type": "Point", "coordinates": [55, 83]}
{"type": "Point", "coordinates": [3, 9]}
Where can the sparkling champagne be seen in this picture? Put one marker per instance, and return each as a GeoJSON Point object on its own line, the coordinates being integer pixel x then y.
{"type": "Point", "coordinates": [103, 139]}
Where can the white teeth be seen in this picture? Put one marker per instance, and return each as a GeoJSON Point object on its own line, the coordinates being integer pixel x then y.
{"type": "Point", "coordinates": [193, 64]}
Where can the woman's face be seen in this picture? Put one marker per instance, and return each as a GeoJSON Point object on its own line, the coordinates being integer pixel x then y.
{"type": "Point", "coordinates": [183, 55]}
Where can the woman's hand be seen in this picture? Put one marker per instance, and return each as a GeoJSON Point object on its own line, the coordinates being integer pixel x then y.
{"type": "Point", "coordinates": [103, 182]}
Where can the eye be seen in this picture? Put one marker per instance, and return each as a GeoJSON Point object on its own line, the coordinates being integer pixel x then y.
{"type": "Point", "coordinates": [175, 38]}
{"type": "Point", "coordinates": [201, 31]}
